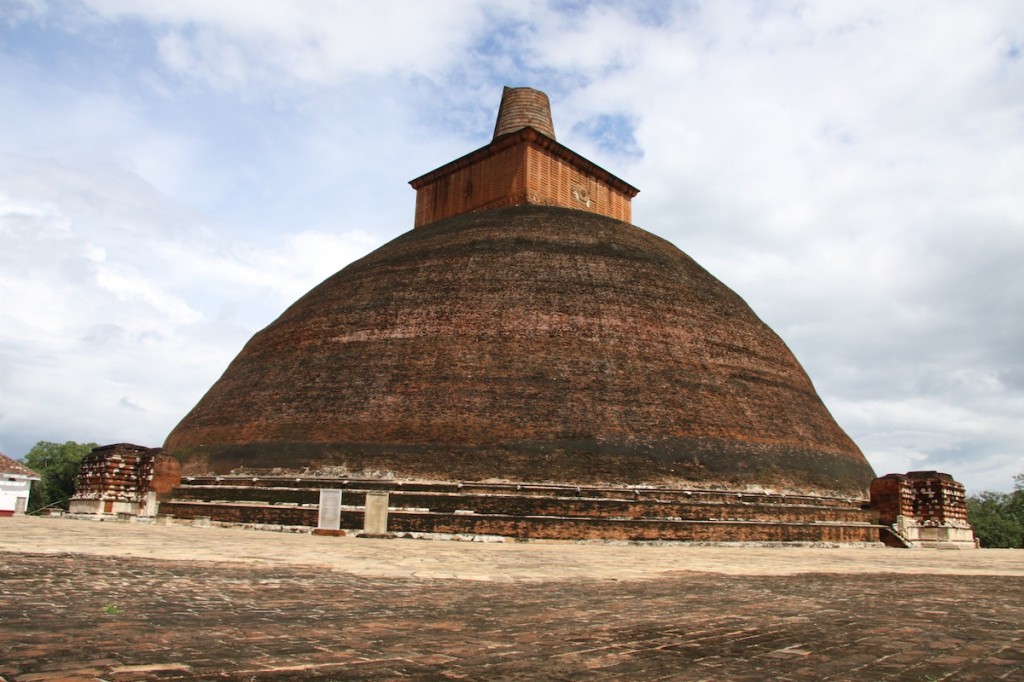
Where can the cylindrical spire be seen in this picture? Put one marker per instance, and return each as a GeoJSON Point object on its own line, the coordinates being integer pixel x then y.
{"type": "Point", "coordinates": [521, 108]}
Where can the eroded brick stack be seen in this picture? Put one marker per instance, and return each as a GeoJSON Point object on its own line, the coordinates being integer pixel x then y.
{"type": "Point", "coordinates": [123, 479]}
{"type": "Point", "coordinates": [524, 108]}
{"type": "Point", "coordinates": [938, 499]}
{"type": "Point", "coordinates": [924, 508]}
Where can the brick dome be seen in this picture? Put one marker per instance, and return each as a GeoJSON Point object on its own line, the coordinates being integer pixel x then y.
{"type": "Point", "coordinates": [526, 344]}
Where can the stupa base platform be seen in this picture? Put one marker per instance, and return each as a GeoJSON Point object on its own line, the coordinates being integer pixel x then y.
{"type": "Point", "coordinates": [508, 511]}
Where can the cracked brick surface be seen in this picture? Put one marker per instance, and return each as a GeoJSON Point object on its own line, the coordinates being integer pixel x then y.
{"type": "Point", "coordinates": [78, 617]}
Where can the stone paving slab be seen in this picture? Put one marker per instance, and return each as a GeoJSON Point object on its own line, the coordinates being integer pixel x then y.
{"type": "Point", "coordinates": [250, 605]}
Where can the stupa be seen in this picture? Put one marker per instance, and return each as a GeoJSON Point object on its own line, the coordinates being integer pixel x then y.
{"type": "Point", "coordinates": [522, 334]}
{"type": "Point", "coordinates": [524, 331]}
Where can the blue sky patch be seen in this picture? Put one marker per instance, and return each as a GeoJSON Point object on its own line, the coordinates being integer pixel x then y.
{"type": "Point", "coordinates": [611, 132]}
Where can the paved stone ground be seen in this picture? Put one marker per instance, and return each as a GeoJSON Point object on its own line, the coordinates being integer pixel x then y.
{"type": "Point", "coordinates": [87, 613]}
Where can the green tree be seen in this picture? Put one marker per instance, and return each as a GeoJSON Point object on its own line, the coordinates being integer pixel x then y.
{"type": "Point", "coordinates": [57, 466]}
{"type": "Point", "coordinates": [1017, 497]}
{"type": "Point", "coordinates": [992, 520]}
{"type": "Point", "coordinates": [998, 518]}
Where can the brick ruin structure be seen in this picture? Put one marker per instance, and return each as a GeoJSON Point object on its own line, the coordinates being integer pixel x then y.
{"type": "Point", "coordinates": [922, 509]}
{"type": "Point", "coordinates": [524, 363]}
{"type": "Point", "coordinates": [123, 479]}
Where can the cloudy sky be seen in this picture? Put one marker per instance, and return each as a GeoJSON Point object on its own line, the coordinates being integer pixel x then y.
{"type": "Point", "coordinates": [174, 173]}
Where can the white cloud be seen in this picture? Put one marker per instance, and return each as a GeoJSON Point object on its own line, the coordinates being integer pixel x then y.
{"type": "Point", "coordinates": [113, 326]}
{"type": "Point", "coordinates": [128, 285]}
{"type": "Point", "coordinates": [852, 170]}
{"type": "Point", "coordinates": [241, 45]}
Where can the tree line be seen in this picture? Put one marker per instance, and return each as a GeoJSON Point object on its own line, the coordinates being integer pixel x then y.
{"type": "Point", "coordinates": [998, 518]}
{"type": "Point", "coordinates": [57, 466]}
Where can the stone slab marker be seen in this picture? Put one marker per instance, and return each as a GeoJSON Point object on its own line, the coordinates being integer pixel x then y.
{"type": "Point", "coordinates": [375, 521]}
{"type": "Point", "coordinates": [330, 509]}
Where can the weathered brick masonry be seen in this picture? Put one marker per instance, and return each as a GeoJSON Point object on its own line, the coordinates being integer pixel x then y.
{"type": "Point", "coordinates": [524, 108]}
{"type": "Point", "coordinates": [526, 344]}
{"type": "Point", "coordinates": [535, 512]}
{"type": "Point", "coordinates": [922, 507]}
{"type": "Point", "coordinates": [123, 478]}
{"type": "Point", "coordinates": [524, 333]}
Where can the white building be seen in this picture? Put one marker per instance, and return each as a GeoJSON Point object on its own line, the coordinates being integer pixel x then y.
{"type": "Point", "coordinates": [15, 482]}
